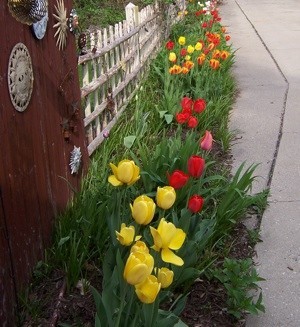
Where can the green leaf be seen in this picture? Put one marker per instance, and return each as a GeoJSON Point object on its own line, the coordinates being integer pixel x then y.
{"type": "Point", "coordinates": [129, 140]}
{"type": "Point", "coordinates": [63, 240]}
{"type": "Point", "coordinates": [162, 113]}
{"type": "Point", "coordinates": [169, 118]}
{"type": "Point", "coordinates": [179, 304]}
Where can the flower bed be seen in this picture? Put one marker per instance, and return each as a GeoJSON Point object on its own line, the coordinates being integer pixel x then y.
{"type": "Point", "coordinates": [158, 207]}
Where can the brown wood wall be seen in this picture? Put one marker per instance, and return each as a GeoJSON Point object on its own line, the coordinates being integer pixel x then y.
{"type": "Point", "coordinates": [34, 160]}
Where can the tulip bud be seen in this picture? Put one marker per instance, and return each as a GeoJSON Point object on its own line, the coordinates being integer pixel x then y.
{"type": "Point", "coordinates": [186, 103]}
{"type": "Point", "coordinates": [192, 122]}
{"type": "Point", "coordinates": [178, 179]}
{"type": "Point", "coordinates": [138, 267]}
{"type": "Point", "coordinates": [165, 197]}
{"type": "Point", "coordinates": [148, 290]}
{"type": "Point", "coordinates": [196, 166]}
{"type": "Point", "coordinates": [143, 209]}
{"type": "Point", "coordinates": [126, 235]}
{"type": "Point", "coordinates": [127, 172]}
{"type": "Point", "coordinates": [199, 105]}
{"type": "Point", "coordinates": [195, 203]}
{"type": "Point", "coordinates": [206, 141]}
{"type": "Point", "coordinates": [165, 277]}
{"type": "Point", "coordinates": [139, 246]}
{"type": "Point", "coordinates": [198, 46]}
{"type": "Point", "coordinates": [190, 49]}
{"type": "Point", "coordinates": [170, 45]}
{"type": "Point", "coordinates": [181, 40]}
{"type": "Point", "coordinates": [172, 56]}
{"type": "Point", "coordinates": [214, 64]}
{"type": "Point", "coordinates": [182, 117]}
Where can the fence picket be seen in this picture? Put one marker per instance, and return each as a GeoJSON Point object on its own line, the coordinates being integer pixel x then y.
{"type": "Point", "coordinates": [117, 60]}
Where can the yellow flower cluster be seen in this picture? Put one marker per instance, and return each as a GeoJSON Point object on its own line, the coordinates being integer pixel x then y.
{"type": "Point", "coordinates": [188, 55]}
{"type": "Point", "coordinates": [139, 268]}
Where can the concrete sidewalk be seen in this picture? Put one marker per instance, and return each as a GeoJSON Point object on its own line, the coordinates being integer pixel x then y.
{"type": "Point", "coordinates": [266, 34]}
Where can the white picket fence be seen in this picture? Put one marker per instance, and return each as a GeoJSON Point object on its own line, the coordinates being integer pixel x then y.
{"type": "Point", "coordinates": [116, 60]}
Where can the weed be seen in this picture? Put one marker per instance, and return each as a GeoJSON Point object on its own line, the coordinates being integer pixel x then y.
{"type": "Point", "coordinates": [240, 278]}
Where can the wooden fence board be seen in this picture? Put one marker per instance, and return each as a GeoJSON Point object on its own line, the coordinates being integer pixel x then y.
{"type": "Point", "coordinates": [34, 164]}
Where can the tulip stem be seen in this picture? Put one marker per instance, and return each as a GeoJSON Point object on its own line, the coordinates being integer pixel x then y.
{"type": "Point", "coordinates": [121, 307]}
{"type": "Point", "coordinates": [129, 305]}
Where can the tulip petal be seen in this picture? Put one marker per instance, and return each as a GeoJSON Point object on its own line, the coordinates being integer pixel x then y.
{"type": "Point", "coordinates": [167, 232]}
{"type": "Point", "coordinates": [137, 274]}
{"type": "Point", "coordinates": [156, 239]}
{"type": "Point", "coordinates": [125, 171]}
{"type": "Point", "coordinates": [114, 181]}
{"type": "Point", "coordinates": [177, 240]}
{"type": "Point", "coordinates": [168, 256]}
{"type": "Point", "coordinates": [114, 169]}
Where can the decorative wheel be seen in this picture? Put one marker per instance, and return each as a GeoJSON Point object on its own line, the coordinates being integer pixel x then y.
{"type": "Point", "coordinates": [20, 77]}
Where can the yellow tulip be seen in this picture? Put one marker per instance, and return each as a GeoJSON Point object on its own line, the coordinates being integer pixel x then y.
{"type": "Point", "coordinates": [181, 40]}
{"type": "Point", "coordinates": [198, 46]}
{"type": "Point", "coordinates": [138, 267]}
{"type": "Point", "coordinates": [165, 197]}
{"type": "Point", "coordinates": [172, 56]}
{"type": "Point", "coordinates": [190, 49]}
{"type": "Point", "coordinates": [126, 235]}
{"type": "Point", "coordinates": [166, 238]}
{"type": "Point", "coordinates": [139, 246]}
{"type": "Point", "coordinates": [143, 209]}
{"type": "Point", "coordinates": [147, 291]}
{"type": "Point", "coordinates": [187, 57]}
{"type": "Point", "coordinates": [127, 172]}
{"type": "Point", "coordinates": [165, 277]}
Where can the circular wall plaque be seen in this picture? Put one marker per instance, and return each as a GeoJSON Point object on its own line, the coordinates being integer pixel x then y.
{"type": "Point", "coordinates": [20, 77]}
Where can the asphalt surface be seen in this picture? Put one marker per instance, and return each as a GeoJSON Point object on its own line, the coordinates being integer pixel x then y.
{"type": "Point", "coordinates": [266, 116]}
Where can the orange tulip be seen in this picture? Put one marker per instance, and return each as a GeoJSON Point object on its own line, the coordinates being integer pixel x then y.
{"type": "Point", "coordinates": [214, 64]}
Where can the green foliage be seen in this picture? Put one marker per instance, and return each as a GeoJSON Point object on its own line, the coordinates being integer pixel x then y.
{"type": "Point", "coordinates": [240, 278]}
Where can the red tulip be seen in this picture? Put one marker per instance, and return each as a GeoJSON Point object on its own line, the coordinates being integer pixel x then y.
{"type": "Point", "coordinates": [178, 179]}
{"type": "Point", "coordinates": [187, 103]}
{"type": "Point", "coordinates": [192, 122]}
{"type": "Point", "coordinates": [199, 105]}
{"type": "Point", "coordinates": [170, 45]}
{"type": "Point", "coordinates": [182, 117]}
{"type": "Point", "coordinates": [195, 203]}
{"type": "Point", "coordinates": [196, 166]}
{"type": "Point", "coordinates": [183, 52]}
{"type": "Point", "coordinates": [206, 141]}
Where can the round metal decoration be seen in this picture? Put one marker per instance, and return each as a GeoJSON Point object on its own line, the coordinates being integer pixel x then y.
{"type": "Point", "coordinates": [20, 77]}
{"type": "Point", "coordinates": [28, 11]}
{"type": "Point", "coordinates": [39, 28]}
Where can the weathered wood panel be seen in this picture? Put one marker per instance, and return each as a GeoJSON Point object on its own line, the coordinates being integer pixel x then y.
{"type": "Point", "coordinates": [34, 161]}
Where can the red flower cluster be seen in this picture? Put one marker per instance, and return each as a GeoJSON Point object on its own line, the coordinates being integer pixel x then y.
{"type": "Point", "coordinates": [179, 178]}
{"type": "Point", "coordinates": [195, 167]}
{"type": "Point", "coordinates": [190, 107]}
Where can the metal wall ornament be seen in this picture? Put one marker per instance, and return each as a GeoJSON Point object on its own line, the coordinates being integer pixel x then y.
{"type": "Point", "coordinates": [73, 22]}
{"type": "Point", "coordinates": [20, 77]}
{"type": "Point", "coordinates": [75, 160]}
{"type": "Point", "coordinates": [28, 11]}
{"type": "Point", "coordinates": [39, 28]}
{"type": "Point", "coordinates": [61, 25]}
